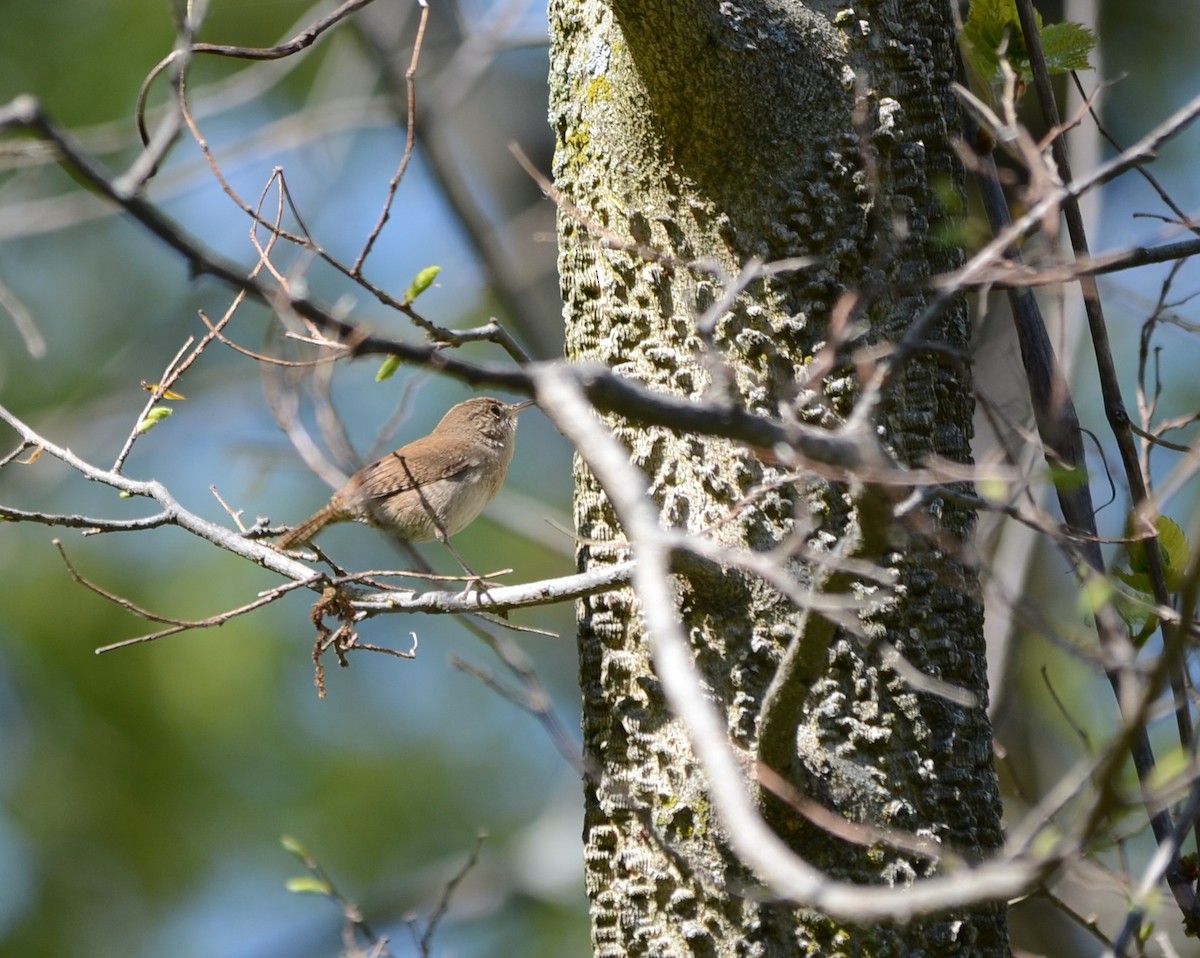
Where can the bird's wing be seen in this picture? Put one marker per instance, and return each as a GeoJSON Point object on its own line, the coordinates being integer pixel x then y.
{"type": "Point", "coordinates": [411, 467]}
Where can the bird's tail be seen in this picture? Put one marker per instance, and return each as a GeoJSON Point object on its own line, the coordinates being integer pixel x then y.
{"type": "Point", "coordinates": [302, 533]}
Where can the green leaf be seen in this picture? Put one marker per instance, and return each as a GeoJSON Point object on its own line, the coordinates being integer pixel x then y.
{"type": "Point", "coordinates": [1097, 592]}
{"type": "Point", "coordinates": [1145, 932]}
{"type": "Point", "coordinates": [153, 418]}
{"type": "Point", "coordinates": [995, 490]}
{"type": "Point", "coordinates": [308, 885]}
{"type": "Point", "coordinates": [1067, 46]}
{"type": "Point", "coordinates": [387, 369]}
{"type": "Point", "coordinates": [985, 33]}
{"type": "Point", "coordinates": [1170, 770]}
{"type": "Point", "coordinates": [1135, 609]}
{"type": "Point", "coordinates": [422, 282]}
{"type": "Point", "coordinates": [1172, 548]}
{"type": "Point", "coordinates": [1047, 841]}
{"type": "Point", "coordinates": [1174, 551]}
{"type": "Point", "coordinates": [993, 30]}
{"type": "Point", "coordinates": [294, 847]}
{"type": "Point", "coordinates": [1066, 477]}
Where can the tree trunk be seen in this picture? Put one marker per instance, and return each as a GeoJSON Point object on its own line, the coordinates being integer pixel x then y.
{"type": "Point", "coordinates": [720, 133]}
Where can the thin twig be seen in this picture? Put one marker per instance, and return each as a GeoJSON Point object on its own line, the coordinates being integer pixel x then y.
{"type": "Point", "coordinates": [1119, 422]}
{"type": "Point", "coordinates": [443, 905]}
{"type": "Point", "coordinates": [169, 377]}
{"type": "Point", "coordinates": [410, 143]}
{"type": "Point", "coordinates": [301, 41]}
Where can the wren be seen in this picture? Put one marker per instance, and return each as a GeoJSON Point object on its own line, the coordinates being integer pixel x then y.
{"type": "Point", "coordinates": [433, 487]}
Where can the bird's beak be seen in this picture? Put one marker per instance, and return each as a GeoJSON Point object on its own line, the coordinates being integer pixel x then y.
{"type": "Point", "coordinates": [517, 407]}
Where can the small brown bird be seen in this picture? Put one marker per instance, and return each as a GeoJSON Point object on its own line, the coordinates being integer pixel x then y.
{"type": "Point", "coordinates": [433, 487]}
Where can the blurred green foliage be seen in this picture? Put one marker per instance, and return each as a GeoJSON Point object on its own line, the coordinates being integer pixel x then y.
{"type": "Point", "coordinates": [143, 792]}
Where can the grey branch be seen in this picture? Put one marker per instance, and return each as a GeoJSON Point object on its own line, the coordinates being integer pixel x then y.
{"type": "Point", "coordinates": [367, 600]}
{"type": "Point", "coordinates": [501, 597]}
{"type": "Point", "coordinates": [785, 874]}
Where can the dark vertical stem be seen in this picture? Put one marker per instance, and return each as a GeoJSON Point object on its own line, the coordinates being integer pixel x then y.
{"type": "Point", "coordinates": [1116, 413]}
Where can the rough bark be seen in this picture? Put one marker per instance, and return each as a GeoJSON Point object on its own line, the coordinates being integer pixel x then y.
{"type": "Point", "coordinates": [721, 132]}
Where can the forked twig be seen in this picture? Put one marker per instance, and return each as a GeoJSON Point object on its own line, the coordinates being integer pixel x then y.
{"type": "Point", "coordinates": [176, 625]}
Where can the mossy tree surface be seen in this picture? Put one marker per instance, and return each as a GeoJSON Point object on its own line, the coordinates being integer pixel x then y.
{"type": "Point", "coordinates": [721, 133]}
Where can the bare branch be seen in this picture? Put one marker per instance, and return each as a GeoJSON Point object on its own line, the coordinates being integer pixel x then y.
{"type": "Point", "coordinates": [410, 142]}
{"type": "Point", "coordinates": [439, 912]}
{"type": "Point", "coordinates": [23, 319]}
{"type": "Point", "coordinates": [91, 524]}
{"type": "Point", "coordinates": [788, 876]}
{"type": "Point", "coordinates": [301, 41]}
{"type": "Point", "coordinates": [501, 598]}
{"type": "Point", "coordinates": [173, 512]}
